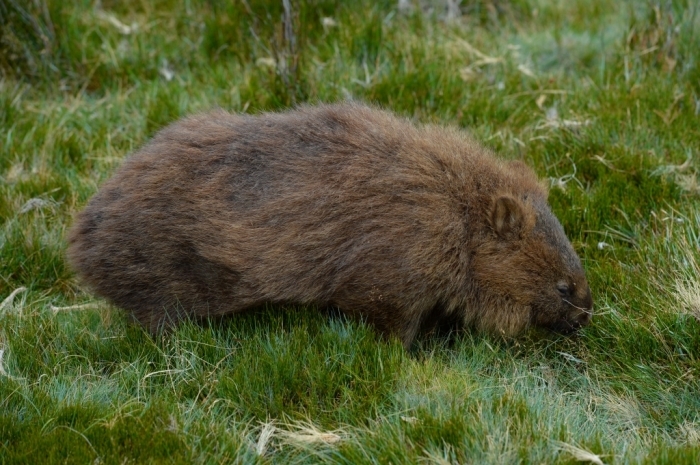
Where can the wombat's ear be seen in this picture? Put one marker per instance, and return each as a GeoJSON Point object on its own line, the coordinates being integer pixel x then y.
{"type": "Point", "coordinates": [507, 217]}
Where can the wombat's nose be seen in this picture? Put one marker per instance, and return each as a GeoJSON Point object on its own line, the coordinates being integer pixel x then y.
{"type": "Point", "coordinates": [583, 318]}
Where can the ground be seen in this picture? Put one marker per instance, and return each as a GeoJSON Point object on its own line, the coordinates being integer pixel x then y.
{"type": "Point", "coordinates": [601, 98]}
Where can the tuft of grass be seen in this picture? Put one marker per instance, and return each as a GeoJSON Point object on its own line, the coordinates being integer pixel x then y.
{"type": "Point", "coordinates": [28, 38]}
{"type": "Point", "coordinates": [601, 98]}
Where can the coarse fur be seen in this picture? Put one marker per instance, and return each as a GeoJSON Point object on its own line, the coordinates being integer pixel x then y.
{"type": "Point", "coordinates": [333, 205]}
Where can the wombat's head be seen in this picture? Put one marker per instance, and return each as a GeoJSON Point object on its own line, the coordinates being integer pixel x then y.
{"type": "Point", "coordinates": [527, 271]}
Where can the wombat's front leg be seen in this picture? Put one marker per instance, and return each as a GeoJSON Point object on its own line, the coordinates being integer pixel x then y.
{"type": "Point", "coordinates": [408, 333]}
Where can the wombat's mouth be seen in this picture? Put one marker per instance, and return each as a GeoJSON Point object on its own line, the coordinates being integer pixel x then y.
{"type": "Point", "coordinates": [566, 327]}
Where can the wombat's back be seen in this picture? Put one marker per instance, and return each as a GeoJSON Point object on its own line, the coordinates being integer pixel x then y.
{"type": "Point", "coordinates": [332, 205]}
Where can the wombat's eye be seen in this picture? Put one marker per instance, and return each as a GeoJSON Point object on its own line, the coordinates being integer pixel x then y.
{"type": "Point", "coordinates": [563, 289]}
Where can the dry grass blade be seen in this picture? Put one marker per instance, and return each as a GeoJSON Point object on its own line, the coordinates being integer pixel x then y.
{"type": "Point", "coordinates": [686, 180]}
{"type": "Point", "coordinates": [474, 51]}
{"type": "Point", "coordinates": [579, 454]}
{"type": "Point", "coordinates": [2, 367]}
{"type": "Point", "coordinates": [443, 456]}
{"type": "Point", "coordinates": [289, 72]}
{"type": "Point", "coordinates": [118, 25]}
{"type": "Point", "coordinates": [686, 288]}
{"type": "Point", "coordinates": [688, 294]}
{"type": "Point", "coordinates": [690, 432]}
{"type": "Point", "coordinates": [10, 298]}
{"type": "Point", "coordinates": [3, 372]}
{"type": "Point", "coordinates": [37, 203]}
{"type": "Point", "coordinates": [307, 433]}
{"type": "Point", "coordinates": [88, 306]}
{"type": "Point", "coordinates": [266, 433]}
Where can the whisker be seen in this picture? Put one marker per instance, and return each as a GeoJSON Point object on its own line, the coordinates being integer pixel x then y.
{"type": "Point", "coordinates": [585, 310]}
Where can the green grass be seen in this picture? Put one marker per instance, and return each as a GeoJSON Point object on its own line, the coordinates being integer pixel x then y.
{"type": "Point", "coordinates": [601, 98]}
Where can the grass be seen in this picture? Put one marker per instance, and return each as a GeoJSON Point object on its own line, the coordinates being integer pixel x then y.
{"type": "Point", "coordinates": [601, 98]}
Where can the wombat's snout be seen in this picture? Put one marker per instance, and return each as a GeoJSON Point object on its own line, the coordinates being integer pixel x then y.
{"type": "Point", "coordinates": [580, 313]}
{"type": "Point", "coordinates": [581, 320]}
{"type": "Point", "coordinates": [569, 326]}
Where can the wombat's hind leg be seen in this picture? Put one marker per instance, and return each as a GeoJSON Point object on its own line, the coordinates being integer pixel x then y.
{"type": "Point", "coordinates": [407, 332]}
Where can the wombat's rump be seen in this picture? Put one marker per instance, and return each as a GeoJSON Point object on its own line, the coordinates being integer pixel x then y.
{"type": "Point", "coordinates": [335, 205]}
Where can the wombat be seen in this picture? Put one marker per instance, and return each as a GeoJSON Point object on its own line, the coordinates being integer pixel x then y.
{"type": "Point", "coordinates": [342, 206]}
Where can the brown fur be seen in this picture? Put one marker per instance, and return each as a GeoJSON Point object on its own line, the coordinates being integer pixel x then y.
{"type": "Point", "coordinates": [335, 205]}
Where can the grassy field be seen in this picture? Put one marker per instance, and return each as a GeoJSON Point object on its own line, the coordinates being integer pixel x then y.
{"type": "Point", "coordinates": [602, 98]}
